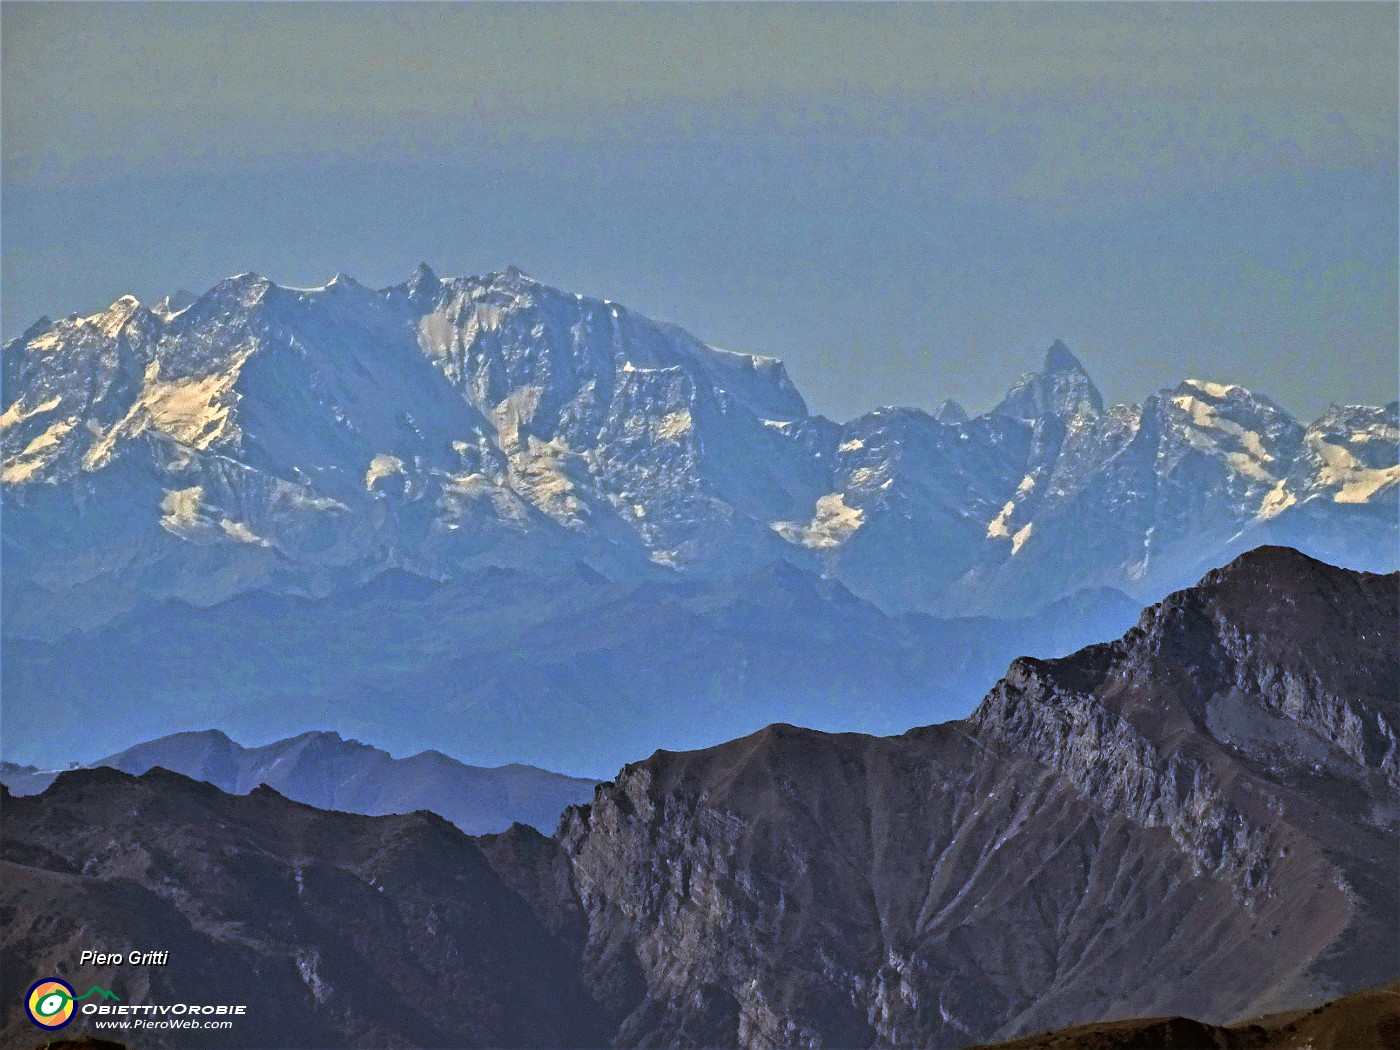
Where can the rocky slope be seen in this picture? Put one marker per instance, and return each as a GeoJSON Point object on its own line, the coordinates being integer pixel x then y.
{"type": "Point", "coordinates": [1198, 819]}
{"type": "Point", "coordinates": [325, 770]}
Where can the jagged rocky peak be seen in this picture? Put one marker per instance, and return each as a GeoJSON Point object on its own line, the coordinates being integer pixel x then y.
{"type": "Point", "coordinates": [1231, 400]}
{"type": "Point", "coordinates": [228, 298]}
{"type": "Point", "coordinates": [1248, 657]}
{"type": "Point", "coordinates": [950, 411]}
{"type": "Point", "coordinates": [1249, 433]}
{"type": "Point", "coordinates": [422, 282]}
{"type": "Point", "coordinates": [248, 280]}
{"type": "Point", "coordinates": [1273, 569]}
{"type": "Point", "coordinates": [1354, 452]}
{"type": "Point", "coordinates": [1061, 389]}
{"type": "Point", "coordinates": [1181, 785]}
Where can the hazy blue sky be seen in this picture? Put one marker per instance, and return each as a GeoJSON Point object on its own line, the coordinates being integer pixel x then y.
{"type": "Point", "coordinates": [904, 202]}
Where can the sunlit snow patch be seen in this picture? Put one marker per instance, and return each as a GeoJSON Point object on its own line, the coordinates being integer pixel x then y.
{"type": "Point", "coordinates": [832, 524]}
{"type": "Point", "coordinates": [996, 529]}
{"type": "Point", "coordinates": [1354, 481]}
{"type": "Point", "coordinates": [382, 466]}
{"type": "Point", "coordinates": [39, 453]}
{"type": "Point", "coordinates": [18, 413]}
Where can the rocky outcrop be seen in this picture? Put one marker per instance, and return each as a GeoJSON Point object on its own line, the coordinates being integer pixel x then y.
{"type": "Point", "coordinates": [1108, 760]}
{"type": "Point", "coordinates": [1095, 841]}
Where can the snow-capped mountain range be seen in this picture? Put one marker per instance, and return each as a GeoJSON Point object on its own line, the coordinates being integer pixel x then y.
{"type": "Point", "coordinates": [260, 437]}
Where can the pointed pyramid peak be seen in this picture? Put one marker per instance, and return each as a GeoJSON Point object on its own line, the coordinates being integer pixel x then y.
{"type": "Point", "coordinates": [314, 736]}
{"type": "Point", "coordinates": [38, 328]}
{"type": "Point", "coordinates": [248, 286]}
{"type": "Point", "coordinates": [1059, 359]}
{"type": "Point", "coordinates": [1209, 390]}
{"type": "Point", "coordinates": [950, 411]}
{"type": "Point", "coordinates": [113, 319]}
{"type": "Point", "coordinates": [1062, 388]}
{"type": "Point", "coordinates": [422, 281]}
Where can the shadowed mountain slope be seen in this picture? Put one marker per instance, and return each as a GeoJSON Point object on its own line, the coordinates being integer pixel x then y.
{"type": "Point", "coordinates": [335, 930]}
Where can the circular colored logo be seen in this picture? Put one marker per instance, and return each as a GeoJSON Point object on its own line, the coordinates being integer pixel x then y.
{"type": "Point", "coordinates": [50, 1003]}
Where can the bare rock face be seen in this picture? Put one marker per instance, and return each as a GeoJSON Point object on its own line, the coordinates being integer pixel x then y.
{"type": "Point", "coordinates": [1197, 819]}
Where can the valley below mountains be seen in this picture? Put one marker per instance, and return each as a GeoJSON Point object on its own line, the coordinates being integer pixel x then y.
{"type": "Point", "coordinates": [1198, 819]}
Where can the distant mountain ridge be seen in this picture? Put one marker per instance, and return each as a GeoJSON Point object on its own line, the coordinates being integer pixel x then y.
{"type": "Point", "coordinates": [1197, 819]}
{"type": "Point", "coordinates": [262, 437]}
{"type": "Point", "coordinates": [325, 770]}
{"type": "Point", "coordinates": [167, 469]}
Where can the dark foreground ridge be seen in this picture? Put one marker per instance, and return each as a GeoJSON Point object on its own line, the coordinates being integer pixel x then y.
{"type": "Point", "coordinates": [1362, 1021]}
{"type": "Point", "coordinates": [1197, 820]}
{"type": "Point", "coordinates": [334, 929]}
